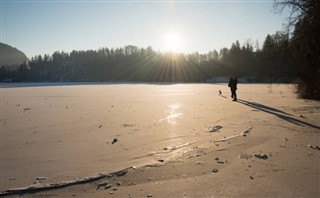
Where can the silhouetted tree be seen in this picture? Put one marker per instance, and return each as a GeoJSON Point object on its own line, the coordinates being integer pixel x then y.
{"type": "Point", "coordinates": [304, 46]}
{"type": "Point", "coordinates": [3, 73]}
{"type": "Point", "coordinates": [131, 63]}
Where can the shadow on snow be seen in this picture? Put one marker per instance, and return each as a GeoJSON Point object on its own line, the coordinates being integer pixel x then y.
{"type": "Point", "coordinates": [280, 114]}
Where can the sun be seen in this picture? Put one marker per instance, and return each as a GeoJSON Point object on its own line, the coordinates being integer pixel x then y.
{"type": "Point", "coordinates": [173, 42]}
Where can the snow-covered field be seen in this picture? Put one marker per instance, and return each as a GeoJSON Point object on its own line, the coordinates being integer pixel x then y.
{"type": "Point", "coordinates": [53, 134]}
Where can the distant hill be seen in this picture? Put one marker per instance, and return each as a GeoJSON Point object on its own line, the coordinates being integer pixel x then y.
{"type": "Point", "coordinates": [11, 56]}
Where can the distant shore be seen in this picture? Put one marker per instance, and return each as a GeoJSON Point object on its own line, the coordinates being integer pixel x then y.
{"type": "Point", "coordinates": [40, 84]}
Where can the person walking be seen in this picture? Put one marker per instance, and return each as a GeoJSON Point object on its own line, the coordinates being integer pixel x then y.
{"type": "Point", "coordinates": [233, 87]}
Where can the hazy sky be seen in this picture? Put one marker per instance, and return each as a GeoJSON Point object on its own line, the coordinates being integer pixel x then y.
{"type": "Point", "coordinates": [42, 27]}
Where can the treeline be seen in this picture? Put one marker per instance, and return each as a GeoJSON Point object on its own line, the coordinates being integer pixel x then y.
{"type": "Point", "coordinates": [271, 63]}
{"type": "Point", "coordinates": [304, 44]}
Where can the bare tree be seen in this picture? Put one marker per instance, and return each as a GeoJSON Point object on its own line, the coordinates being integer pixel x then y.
{"type": "Point", "coordinates": [304, 26]}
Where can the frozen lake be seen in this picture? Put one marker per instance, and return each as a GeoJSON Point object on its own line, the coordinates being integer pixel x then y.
{"type": "Point", "coordinates": [66, 132]}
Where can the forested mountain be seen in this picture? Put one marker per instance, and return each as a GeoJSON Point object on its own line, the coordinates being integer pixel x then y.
{"type": "Point", "coordinates": [133, 64]}
{"type": "Point", "coordinates": [11, 56]}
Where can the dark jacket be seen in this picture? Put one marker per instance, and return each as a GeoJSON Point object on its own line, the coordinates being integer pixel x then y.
{"type": "Point", "coordinates": [233, 83]}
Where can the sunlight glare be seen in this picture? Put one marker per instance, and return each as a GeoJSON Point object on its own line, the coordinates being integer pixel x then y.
{"type": "Point", "coordinates": [173, 42]}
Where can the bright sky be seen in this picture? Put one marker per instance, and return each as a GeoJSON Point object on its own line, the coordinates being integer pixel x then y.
{"type": "Point", "coordinates": [45, 26]}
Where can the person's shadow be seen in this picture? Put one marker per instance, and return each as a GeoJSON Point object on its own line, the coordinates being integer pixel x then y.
{"type": "Point", "coordinates": [280, 114]}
